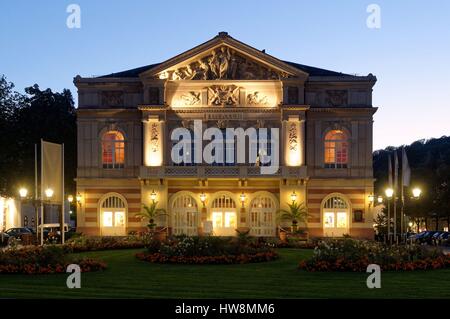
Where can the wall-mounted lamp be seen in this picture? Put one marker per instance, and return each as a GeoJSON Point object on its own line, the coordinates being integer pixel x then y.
{"type": "Point", "coordinates": [70, 199]}
{"type": "Point", "coordinates": [203, 198]}
{"type": "Point", "coordinates": [293, 197]}
{"type": "Point", "coordinates": [78, 198]}
{"type": "Point", "coordinates": [153, 196]}
{"type": "Point", "coordinates": [49, 193]}
{"type": "Point", "coordinates": [242, 197]}
{"type": "Point", "coordinates": [371, 199]}
{"type": "Point", "coordinates": [23, 192]}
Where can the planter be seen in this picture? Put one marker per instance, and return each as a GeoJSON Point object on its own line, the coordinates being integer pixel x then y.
{"type": "Point", "coordinates": [160, 235]}
{"type": "Point", "coordinates": [283, 236]}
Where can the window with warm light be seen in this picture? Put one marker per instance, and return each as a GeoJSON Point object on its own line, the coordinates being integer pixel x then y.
{"type": "Point", "coordinates": [113, 150]}
{"type": "Point", "coordinates": [336, 149]}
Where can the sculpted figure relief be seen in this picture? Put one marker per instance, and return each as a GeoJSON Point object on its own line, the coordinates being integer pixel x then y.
{"type": "Point", "coordinates": [191, 98]}
{"type": "Point", "coordinates": [221, 64]}
{"type": "Point", "coordinates": [255, 99]}
{"type": "Point", "coordinates": [223, 95]}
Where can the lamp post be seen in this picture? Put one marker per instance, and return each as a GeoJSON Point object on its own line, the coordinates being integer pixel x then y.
{"type": "Point", "coordinates": [416, 195]}
{"type": "Point", "coordinates": [389, 192]}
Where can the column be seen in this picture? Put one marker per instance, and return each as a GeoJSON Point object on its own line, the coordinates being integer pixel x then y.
{"type": "Point", "coordinates": [153, 142]}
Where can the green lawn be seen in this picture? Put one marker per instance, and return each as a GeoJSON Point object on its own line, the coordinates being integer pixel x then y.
{"type": "Point", "coordinates": [127, 277]}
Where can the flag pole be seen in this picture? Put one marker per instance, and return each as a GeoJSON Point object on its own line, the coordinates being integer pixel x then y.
{"type": "Point", "coordinates": [42, 196]}
{"type": "Point", "coordinates": [36, 202]}
{"type": "Point", "coordinates": [62, 195]}
{"type": "Point", "coordinates": [402, 218]}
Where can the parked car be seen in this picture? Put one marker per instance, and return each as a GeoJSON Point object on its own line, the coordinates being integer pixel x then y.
{"type": "Point", "coordinates": [424, 237]}
{"type": "Point", "coordinates": [18, 232]}
{"type": "Point", "coordinates": [4, 239]}
{"type": "Point", "coordinates": [23, 233]}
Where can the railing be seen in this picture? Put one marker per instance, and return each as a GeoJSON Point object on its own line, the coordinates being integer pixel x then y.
{"type": "Point", "coordinates": [219, 171]}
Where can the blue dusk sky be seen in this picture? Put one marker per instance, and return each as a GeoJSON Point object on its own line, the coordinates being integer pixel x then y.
{"type": "Point", "coordinates": [409, 53]}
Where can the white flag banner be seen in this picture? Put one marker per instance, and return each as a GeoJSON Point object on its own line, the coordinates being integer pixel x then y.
{"type": "Point", "coordinates": [51, 171]}
{"type": "Point", "coordinates": [390, 171]}
{"type": "Point", "coordinates": [406, 170]}
{"type": "Point", "coordinates": [395, 171]}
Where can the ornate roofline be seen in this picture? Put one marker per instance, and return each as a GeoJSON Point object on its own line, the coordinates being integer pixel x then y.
{"type": "Point", "coordinates": [221, 39]}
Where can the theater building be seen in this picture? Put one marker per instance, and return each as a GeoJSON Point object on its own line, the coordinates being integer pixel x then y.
{"type": "Point", "coordinates": [319, 125]}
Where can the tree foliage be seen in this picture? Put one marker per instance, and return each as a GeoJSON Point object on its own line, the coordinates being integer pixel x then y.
{"type": "Point", "coordinates": [430, 170]}
{"type": "Point", "coordinates": [25, 119]}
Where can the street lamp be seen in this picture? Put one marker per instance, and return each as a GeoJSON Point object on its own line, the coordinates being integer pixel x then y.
{"type": "Point", "coordinates": [23, 192]}
{"type": "Point", "coordinates": [416, 192]}
{"type": "Point", "coordinates": [70, 199]}
{"type": "Point", "coordinates": [293, 197]}
{"type": "Point", "coordinates": [389, 192]}
{"type": "Point", "coordinates": [380, 199]}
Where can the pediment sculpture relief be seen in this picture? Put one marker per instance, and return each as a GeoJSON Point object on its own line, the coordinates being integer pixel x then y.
{"type": "Point", "coordinates": [223, 64]}
{"type": "Point", "coordinates": [223, 95]}
{"type": "Point", "coordinates": [256, 99]}
{"type": "Point", "coordinates": [191, 98]}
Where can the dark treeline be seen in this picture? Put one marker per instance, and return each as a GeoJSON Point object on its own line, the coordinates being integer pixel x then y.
{"type": "Point", "coordinates": [430, 171]}
{"type": "Point", "coordinates": [24, 120]}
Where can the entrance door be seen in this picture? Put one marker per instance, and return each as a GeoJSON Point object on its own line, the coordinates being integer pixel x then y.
{"type": "Point", "coordinates": [224, 216]}
{"type": "Point", "coordinates": [335, 217]}
{"type": "Point", "coordinates": [113, 217]}
{"type": "Point", "coordinates": [262, 216]}
{"type": "Point", "coordinates": [224, 223]}
{"type": "Point", "coordinates": [185, 216]}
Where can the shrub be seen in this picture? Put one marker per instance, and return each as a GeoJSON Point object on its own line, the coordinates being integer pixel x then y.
{"type": "Point", "coordinates": [354, 255]}
{"type": "Point", "coordinates": [43, 260]}
{"type": "Point", "coordinates": [83, 243]}
{"type": "Point", "coordinates": [208, 249]}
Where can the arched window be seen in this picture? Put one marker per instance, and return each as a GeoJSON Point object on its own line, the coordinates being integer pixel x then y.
{"type": "Point", "coordinates": [335, 216]}
{"type": "Point", "coordinates": [113, 215]}
{"type": "Point", "coordinates": [113, 150]}
{"type": "Point", "coordinates": [336, 149]}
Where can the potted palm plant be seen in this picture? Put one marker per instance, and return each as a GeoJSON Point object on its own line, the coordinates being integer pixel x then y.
{"type": "Point", "coordinates": [297, 213]}
{"type": "Point", "coordinates": [151, 213]}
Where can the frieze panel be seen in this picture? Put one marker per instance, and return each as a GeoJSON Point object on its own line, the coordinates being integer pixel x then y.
{"type": "Point", "coordinates": [112, 98]}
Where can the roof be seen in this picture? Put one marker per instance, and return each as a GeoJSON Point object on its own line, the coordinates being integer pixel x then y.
{"type": "Point", "coordinates": [223, 37]}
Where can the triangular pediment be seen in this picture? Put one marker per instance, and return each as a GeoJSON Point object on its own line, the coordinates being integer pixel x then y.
{"type": "Point", "coordinates": [223, 58]}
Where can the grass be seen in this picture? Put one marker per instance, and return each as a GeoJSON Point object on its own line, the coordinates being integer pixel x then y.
{"type": "Point", "coordinates": [127, 277]}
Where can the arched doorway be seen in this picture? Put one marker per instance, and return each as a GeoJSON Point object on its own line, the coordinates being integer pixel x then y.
{"type": "Point", "coordinates": [262, 216]}
{"type": "Point", "coordinates": [185, 216]}
{"type": "Point", "coordinates": [224, 215]}
{"type": "Point", "coordinates": [113, 214]}
{"type": "Point", "coordinates": [336, 214]}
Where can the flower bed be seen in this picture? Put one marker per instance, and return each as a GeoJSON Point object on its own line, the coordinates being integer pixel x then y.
{"type": "Point", "coordinates": [206, 250]}
{"type": "Point", "coordinates": [83, 243]}
{"type": "Point", "coordinates": [43, 260]}
{"type": "Point", "coordinates": [353, 255]}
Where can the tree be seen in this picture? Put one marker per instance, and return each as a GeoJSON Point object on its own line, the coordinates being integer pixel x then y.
{"type": "Point", "coordinates": [151, 213]}
{"type": "Point", "coordinates": [297, 213]}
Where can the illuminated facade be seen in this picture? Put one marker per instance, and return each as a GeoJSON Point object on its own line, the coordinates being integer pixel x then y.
{"type": "Point", "coordinates": [126, 152]}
